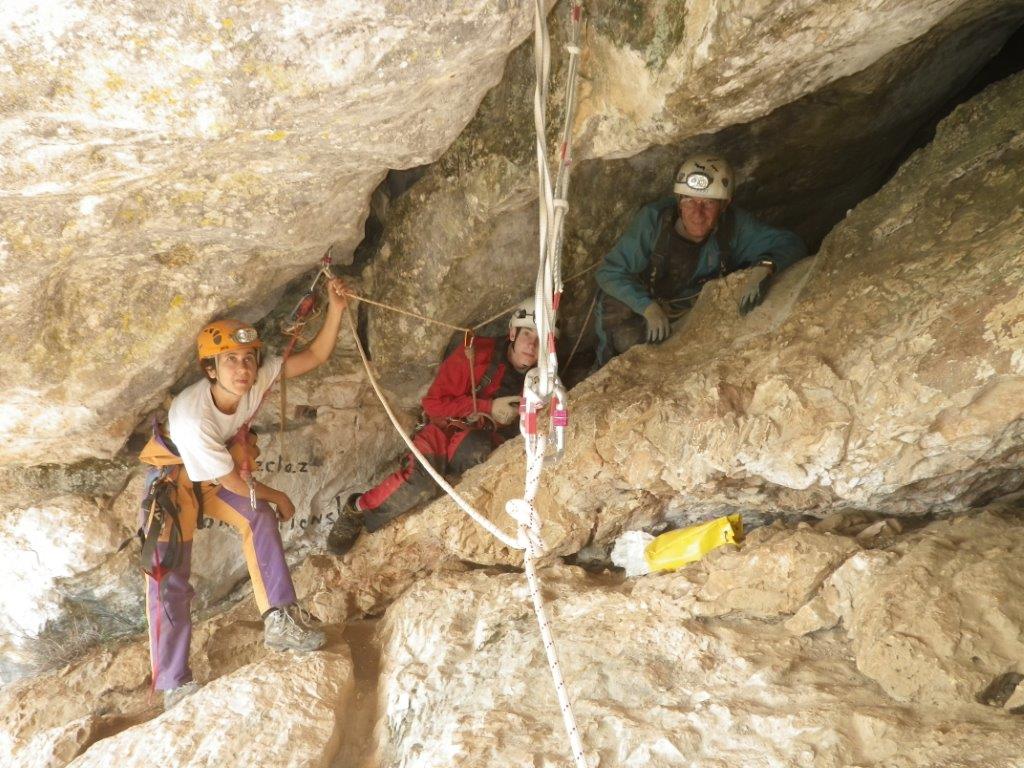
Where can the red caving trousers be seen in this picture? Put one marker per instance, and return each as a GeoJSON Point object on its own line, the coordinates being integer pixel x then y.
{"type": "Point", "coordinates": [450, 451]}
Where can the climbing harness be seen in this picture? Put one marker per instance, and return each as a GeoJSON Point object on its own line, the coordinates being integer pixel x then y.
{"type": "Point", "coordinates": [161, 504]}
{"type": "Point", "coordinates": [475, 419]}
{"type": "Point", "coordinates": [165, 494]}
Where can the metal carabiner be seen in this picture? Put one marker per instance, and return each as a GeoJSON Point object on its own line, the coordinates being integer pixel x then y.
{"type": "Point", "coordinates": [529, 404]}
{"type": "Point", "coordinates": [559, 418]}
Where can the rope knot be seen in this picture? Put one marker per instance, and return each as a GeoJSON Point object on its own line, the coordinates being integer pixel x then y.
{"type": "Point", "coordinates": [524, 513]}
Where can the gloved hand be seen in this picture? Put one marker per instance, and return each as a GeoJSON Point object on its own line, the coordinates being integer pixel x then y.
{"type": "Point", "coordinates": [755, 287]}
{"type": "Point", "coordinates": [505, 409]}
{"type": "Point", "coordinates": [658, 326]}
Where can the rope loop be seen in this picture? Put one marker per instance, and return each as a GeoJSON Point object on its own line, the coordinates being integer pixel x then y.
{"type": "Point", "coordinates": [525, 514]}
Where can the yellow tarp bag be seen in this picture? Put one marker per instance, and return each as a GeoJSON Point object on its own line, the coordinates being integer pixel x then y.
{"type": "Point", "coordinates": [675, 549]}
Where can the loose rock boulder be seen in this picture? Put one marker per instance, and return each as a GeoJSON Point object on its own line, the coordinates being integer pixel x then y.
{"type": "Point", "coordinates": [946, 620]}
{"type": "Point", "coordinates": [226, 723]}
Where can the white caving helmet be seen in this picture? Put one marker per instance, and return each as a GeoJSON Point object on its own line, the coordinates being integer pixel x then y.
{"type": "Point", "coordinates": [524, 316]}
{"type": "Point", "coordinates": [707, 176]}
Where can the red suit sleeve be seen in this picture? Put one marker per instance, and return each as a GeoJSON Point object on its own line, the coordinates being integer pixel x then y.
{"type": "Point", "coordinates": [449, 395]}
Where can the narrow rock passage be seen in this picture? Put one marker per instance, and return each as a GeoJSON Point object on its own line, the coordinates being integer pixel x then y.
{"type": "Point", "coordinates": [357, 739]}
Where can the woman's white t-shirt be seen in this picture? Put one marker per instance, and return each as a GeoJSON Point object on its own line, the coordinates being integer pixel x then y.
{"type": "Point", "coordinates": [201, 431]}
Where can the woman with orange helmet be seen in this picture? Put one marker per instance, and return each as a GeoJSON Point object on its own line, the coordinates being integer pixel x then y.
{"type": "Point", "coordinates": [202, 421]}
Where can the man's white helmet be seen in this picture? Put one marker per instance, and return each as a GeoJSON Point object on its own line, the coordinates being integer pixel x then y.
{"type": "Point", "coordinates": [524, 316]}
{"type": "Point", "coordinates": [707, 176]}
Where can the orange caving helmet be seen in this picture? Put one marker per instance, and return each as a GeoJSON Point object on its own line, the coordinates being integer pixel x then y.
{"type": "Point", "coordinates": [225, 335]}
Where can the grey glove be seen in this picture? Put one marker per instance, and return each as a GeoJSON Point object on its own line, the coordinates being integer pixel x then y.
{"type": "Point", "coordinates": [505, 409]}
{"type": "Point", "coordinates": [755, 287]}
{"type": "Point", "coordinates": [658, 326]}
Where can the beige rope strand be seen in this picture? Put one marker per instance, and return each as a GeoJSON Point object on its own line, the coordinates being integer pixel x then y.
{"type": "Point", "coordinates": [451, 326]}
{"type": "Point", "coordinates": [505, 311]}
{"type": "Point", "coordinates": [418, 316]}
{"type": "Point", "coordinates": [470, 351]}
{"type": "Point", "coordinates": [583, 331]}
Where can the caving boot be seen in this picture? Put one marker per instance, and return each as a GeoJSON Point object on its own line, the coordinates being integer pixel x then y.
{"type": "Point", "coordinates": [346, 528]}
{"type": "Point", "coordinates": [175, 695]}
{"type": "Point", "coordinates": [288, 629]}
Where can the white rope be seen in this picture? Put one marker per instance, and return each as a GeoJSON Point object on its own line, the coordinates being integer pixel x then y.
{"type": "Point", "coordinates": [542, 385]}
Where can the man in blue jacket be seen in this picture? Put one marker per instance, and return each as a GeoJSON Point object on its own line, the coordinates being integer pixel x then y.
{"type": "Point", "coordinates": [656, 270]}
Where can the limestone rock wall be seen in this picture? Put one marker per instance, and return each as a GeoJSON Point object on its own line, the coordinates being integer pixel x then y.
{"type": "Point", "coordinates": [165, 164]}
{"type": "Point", "coordinates": [663, 72]}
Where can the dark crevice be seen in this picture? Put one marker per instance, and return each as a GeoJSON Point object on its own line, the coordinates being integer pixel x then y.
{"type": "Point", "coordinates": [1007, 62]}
{"type": "Point", "coordinates": [395, 184]}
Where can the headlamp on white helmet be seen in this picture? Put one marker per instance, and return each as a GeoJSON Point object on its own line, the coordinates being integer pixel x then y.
{"type": "Point", "coordinates": [524, 316]}
{"type": "Point", "coordinates": [706, 176]}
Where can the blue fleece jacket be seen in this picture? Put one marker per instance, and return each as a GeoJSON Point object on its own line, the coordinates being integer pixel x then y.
{"type": "Point", "coordinates": [752, 241]}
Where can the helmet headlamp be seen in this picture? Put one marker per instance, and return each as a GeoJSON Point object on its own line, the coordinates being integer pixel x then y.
{"type": "Point", "coordinates": [707, 176]}
{"type": "Point", "coordinates": [698, 180]}
{"type": "Point", "coordinates": [245, 336]}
